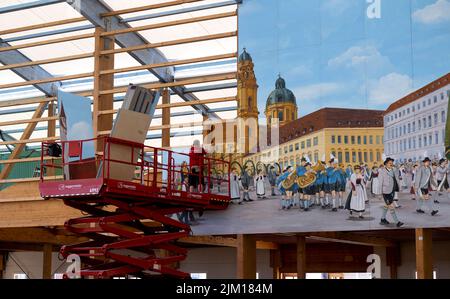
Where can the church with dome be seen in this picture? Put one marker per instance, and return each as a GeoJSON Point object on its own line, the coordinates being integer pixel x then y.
{"type": "Point", "coordinates": [281, 104]}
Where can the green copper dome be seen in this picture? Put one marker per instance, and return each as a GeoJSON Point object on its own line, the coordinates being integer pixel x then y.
{"type": "Point", "coordinates": [244, 56]}
{"type": "Point", "coordinates": [281, 94]}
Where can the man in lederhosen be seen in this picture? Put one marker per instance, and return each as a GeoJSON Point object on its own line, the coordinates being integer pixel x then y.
{"type": "Point", "coordinates": [389, 185]}
{"type": "Point", "coordinates": [423, 182]}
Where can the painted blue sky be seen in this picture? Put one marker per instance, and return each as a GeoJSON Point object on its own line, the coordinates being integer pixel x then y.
{"type": "Point", "coordinates": [333, 55]}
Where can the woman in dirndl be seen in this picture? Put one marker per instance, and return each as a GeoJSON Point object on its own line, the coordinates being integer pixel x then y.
{"type": "Point", "coordinates": [356, 201]}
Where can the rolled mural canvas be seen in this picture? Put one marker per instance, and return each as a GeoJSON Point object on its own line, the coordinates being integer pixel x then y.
{"type": "Point", "coordinates": [351, 83]}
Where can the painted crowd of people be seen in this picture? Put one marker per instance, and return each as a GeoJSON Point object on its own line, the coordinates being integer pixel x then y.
{"type": "Point", "coordinates": [338, 187]}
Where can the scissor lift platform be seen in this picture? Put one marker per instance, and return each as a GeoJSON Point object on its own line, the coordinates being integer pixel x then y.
{"type": "Point", "coordinates": [129, 223]}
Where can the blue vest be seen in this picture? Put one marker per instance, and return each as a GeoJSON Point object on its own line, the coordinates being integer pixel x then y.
{"type": "Point", "coordinates": [333, 175]}
{"type": "Point", "coordinates": [301, 170]}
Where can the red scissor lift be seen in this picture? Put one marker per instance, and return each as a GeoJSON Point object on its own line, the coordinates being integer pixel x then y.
{"type": "Point", "coordinates": [129, 224]}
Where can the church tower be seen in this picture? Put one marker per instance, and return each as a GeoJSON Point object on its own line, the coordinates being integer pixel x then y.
{"type": "Point", "coordinates": [281, 104]}
{"type": "Point", "coordinates": [247, 96]}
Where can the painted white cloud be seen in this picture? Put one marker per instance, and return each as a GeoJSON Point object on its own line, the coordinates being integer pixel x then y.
{"type": "Point", "coordinates": [80, 131]}
{"type": "Point", "coordinates": [359, 56]}
{"type": "Point", "coordinates": [389, 88]}
{"type": "Point", "coordinates": [434, 13]}
{"type": "Point", "coordinates": [317, 91]}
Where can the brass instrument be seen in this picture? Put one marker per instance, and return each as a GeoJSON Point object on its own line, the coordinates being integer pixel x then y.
{"type": "Point", "coordinates": [289, 181]}
{"type": "Point", "coordinates": [306, 180]}
{"type": "Point", "coordinates": [319, 167]}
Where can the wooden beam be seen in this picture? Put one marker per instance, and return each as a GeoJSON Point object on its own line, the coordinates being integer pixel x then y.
{"type": "Point", "coordinates": [27, 180]}
{"type": "Point", "coordinates": [15, 246]}
{"type": "Point", "coordinates": [210, 241]}
{"type": "Point", "coordinates": [27, 121]}
{"type": "Point", "coordinates": [275, 263]}
{"type": "Point", "coordinates": [246, 257]}
{"type": "Point", "coordinates": [47, 80]}
{"type": "Point", "coordinates": [393, 260]}
{"type": "Point", "coordinates": [349, 238]}
{"type": "Point", "coordinates": [25, 135]}
{"type": "Point", "coordinates": [42, 25]}
{"type": "Point", "coordinates": [102, 122]}
{"type": "Point", "coordinates": [147, 7]}
{"type": "Point", "coordinates": [51, 131]}
{"type": "Point", "coordinates": [188, 81]}
{"type": "Point", "coordinates": [171, 43]}
{"type": "Point", "coordinates": [48, 42]}
{"type": "Point", "coordinates": [165, 140]}
{"type": "Point", "coordinates": [47, 261]}
{"type": "Point", "coordinates": [36, 100]}
{"type": "Point", "coordinates": [225, 242]}
{"type": "Point", "coordinates": [172, 23]}
{"type": "Point", "coordinates": [182, 104]}
{"type": "Point", "coordinates": [23, 160]}
{"type": "Point", "coordinates": [25, 141]}
{"type": "Point", "coordinates": [2, 262]}
{"type": "Point", "coordinates": [169, 63]}
{"type": "Point", "coordinates": [30, 235]}
{"type": "Point", "coordinates": [301, 257]}
{"type": "Point", "coordinates": [46, 61]}
{"type": "Point", "coordinates": [424, 253]}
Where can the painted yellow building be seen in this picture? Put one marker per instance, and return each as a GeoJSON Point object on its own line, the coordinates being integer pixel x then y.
{"type": "Point", "coordinates": [353, 136]}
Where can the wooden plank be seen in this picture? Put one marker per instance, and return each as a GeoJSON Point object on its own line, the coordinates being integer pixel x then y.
{"type": "Point", "coordinates": [47, 80]}
{"type": "Point", "coordinates": [19, 148]}
{"type": "Point", "coordinates": [26, 180]}
{"type": "Point", "coordinates": [48, 42]}
{"type": "Point", "coordinates": [165, 138]}
{"type": "Point", "coordinates": [301, 257]}
{"type": "Point", "coordinates": [210, 241]}
{"type": "Point", "coordinates": [25, 141]}
{"type": "Point", "coordinates": [147, 7]}
{"type": "Point", "coordinates": [169, 63]}
{"type": "Point", "coordinates": [246, 257]}
{"type": "Point", "coordinates": [24, 160]}
{"type": "Point", "coordinates": [102, 122]}
{"type": "Point", "coordinates": [38, 235]}
{"type": "Point", "coordinates": [424, 253]}
{"type": "Point", "coordinates": [46, 61]}
{"type": "Point", "coordinates": [42, 25]}
{"type": "Point", "coordinates": [51, 130]}
{"type": "Point", "coordinates": [188, 81]}
{"type": "Point", "coordinates": [172, 23]}
{"type": "Point", "coordinates": [349, 238]}
{"type": "Point", "coordinates": [35, 214]}
{"type": "Point", "coordinates": [27, 121]}
{"type": "Point", "coordinates": [36, 100]}
{"type": "Point", "coordinates": [16, 246]}
{"type": "Point", "coordinates": [182, 104]}
{"type": "Point", "coordinates": [47, 252]}
{"type": "Point", "coordinates": [171, 43]}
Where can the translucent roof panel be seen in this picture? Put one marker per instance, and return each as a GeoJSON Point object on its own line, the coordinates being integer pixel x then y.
{"type": "Point", "coordinates": [85, 46]}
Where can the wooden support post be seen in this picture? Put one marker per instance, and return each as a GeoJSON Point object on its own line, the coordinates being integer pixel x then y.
{"type": "Point", "coordinates": [246, 257]}
{"type": "Point", "coordinates": [2, 263]}
{"type": "Point", "coordinates": [206, 131]}
{"type": "Point", "coordinates": [102, 122]}
{"type": "Point", "coordinates": [301, 257]}
{"type": "Point", "coordinates": [275, 263]}
{"type": "Point", "coordinates": [165, 140]}
{"type": "Point", "coordinates": [51, 132]}
{"type": "Point", "coordinates": [393, 260]}
{"type": "Point", "coordinates": [424, 253]}
{"type": "Point", "coordinates": [18, 148]}
{"type": "Point", "coordinates": [47, 262]}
